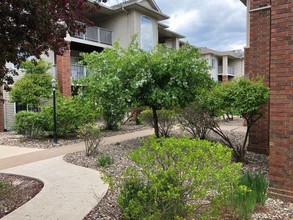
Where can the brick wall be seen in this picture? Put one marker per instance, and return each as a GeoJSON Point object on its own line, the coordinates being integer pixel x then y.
{"type": "Point", "coordinates": [1, 111]}
{"type": "Point", "coordinates": [270, 55]}
{"type": "Point", "coordinates": [225, 78]}
{"type": "Point", "coordinates": [281, 102]}
{"type": "Point", "coordinates": [63, 73]}
{"type": "Point", "coordinates": [257, 64]}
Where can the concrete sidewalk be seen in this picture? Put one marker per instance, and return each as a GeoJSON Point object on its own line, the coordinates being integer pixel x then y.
{"type": "Point", "coordinates": [17, 160]}
{"type": "Point", "coordinates": [70, 191]}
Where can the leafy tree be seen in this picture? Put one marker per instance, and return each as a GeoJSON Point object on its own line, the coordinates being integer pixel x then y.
{"type": "Point", "coordinates": [241, 97]}
{"type": "Point", "coordinates": [104, 85]}
{"type": "Point", "coordinates": [35, 87]}
{"type": "Point", "coordinates": [30, 27]}
{"type": "Point", "coordinates": [161, 78]}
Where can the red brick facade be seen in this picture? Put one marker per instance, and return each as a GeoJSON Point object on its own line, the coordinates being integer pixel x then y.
{"type": "Point", "coordinates": [270, 55]}
{"type": "Point", "coordinates": [1, 111]}
{"type": "Point", "coordinates": [225, 78]}
{"type": "Point", "coordinates": [257, 64]}
{"type": "Point", "coordinates": [63, 73]}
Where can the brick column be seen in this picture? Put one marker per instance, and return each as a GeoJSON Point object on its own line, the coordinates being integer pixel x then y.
{"type": "Point", "coordinates": [63, 73]}
{"type": "Point", "coordinates": [281, 102]}
{"type": "Point", "coordinates": [1, 110]}
{"type": "Point", "coordinates": [257, 64]}
{"type": "Point", "coordinates": [225, 78]}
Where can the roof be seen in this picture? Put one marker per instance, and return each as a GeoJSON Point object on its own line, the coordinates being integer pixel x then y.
{"type": "Point", "coordinates": [152, 9]}
{"type": "Point", "coordinates": [165, 33]}
{"type": "Point", "coordinates": [243, 1]}
{"type": "Point", "coordinates": [155, 11]}
{"type": "Point", "coordinates": [230, 53]}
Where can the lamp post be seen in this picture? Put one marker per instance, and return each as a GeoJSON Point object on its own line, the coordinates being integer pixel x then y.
{"type": "Point", "coordinates": [53, 82]}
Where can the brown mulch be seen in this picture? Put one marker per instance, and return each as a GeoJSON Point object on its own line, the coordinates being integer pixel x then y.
{"type": "Point", "coordinates": [17, 191]}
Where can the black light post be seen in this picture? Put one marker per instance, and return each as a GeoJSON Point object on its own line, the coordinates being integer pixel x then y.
{"type": "Point", "coordinates": [54, 110]}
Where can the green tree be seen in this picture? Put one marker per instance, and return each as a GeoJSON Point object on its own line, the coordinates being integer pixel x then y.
{"type": "Point", "coordinates": [34, 88]}
{"type": "Point", "coordinates": [30, 27]}
{"type": "Point", "coordinates": [163, 78]}
{"type": "Point", "coordinates": [104, 87]}
{"type": "Point", "coordinates": [241, 97]}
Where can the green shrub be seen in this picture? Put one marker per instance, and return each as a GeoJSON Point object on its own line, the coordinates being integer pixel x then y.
{"type": "Point", "coordinates": [166, 120]}
{"type": "Point", "coordinates": [71, 114]}
{"type": "Point", "coordinates": [173, 176]}
{"type": "Point", "coordinates": [4, 188]}
{"type": "Point", "coordinates": [105, 160]}
{"type": "Point", "coordinates": [196, 120]}
{"type": "Point", "coordinates": [253, 191]}
{"type": "Point", "coordinates": [30, 124]}
{"type": "Point", "coordinates": [91, 135]}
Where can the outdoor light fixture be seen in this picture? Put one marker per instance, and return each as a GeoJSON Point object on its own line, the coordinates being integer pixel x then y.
{"type": "Point", "coordinates": [53, 82]}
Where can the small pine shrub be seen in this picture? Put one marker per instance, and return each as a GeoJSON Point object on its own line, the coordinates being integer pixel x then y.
{"type": "Point", "coordinates": [105, 160]}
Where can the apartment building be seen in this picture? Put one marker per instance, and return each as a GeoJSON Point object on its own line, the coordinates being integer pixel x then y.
{"type": "Point", "coordinates": [269, 55]}
{"type": "Point", "coordinates": [116, 23]}
{"type": "Point", "coordinates": [224, 65]}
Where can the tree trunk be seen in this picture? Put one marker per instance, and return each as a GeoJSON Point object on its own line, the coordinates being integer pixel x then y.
{"type": "Point", "coordinates": [156, 123]}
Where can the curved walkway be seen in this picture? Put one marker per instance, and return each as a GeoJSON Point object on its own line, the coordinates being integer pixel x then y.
{"type": "Point", "coordinates": [70, 191]}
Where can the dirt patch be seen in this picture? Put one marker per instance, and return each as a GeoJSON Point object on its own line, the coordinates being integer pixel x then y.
{"type": "Point", "coordinates": [16, 191]}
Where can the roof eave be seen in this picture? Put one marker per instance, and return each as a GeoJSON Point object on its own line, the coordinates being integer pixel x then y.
{"type": "Point", "coordinates": [244, 1]}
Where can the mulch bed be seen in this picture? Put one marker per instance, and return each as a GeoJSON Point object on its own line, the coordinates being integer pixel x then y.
{"type": "Point", "coordinates": [18, 190]}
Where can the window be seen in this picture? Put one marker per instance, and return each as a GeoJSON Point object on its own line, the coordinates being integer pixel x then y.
{"type": "Point", "coordinates": [146, 33]}
{"type": "Point", "coordinates": [213, 63]}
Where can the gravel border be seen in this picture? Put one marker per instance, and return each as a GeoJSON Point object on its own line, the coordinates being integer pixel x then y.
{"type": "Point", "coordinates": [107, 208]}
{"type": "Point", "coordinates": [13, 139]}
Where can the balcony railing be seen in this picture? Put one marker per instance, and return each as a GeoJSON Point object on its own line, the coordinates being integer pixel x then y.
{"type": "Point", "coordinates": [96, 34]}
{"type": "Point", "coordinates": [230, 70]}
{"type": "Point", "coordinates": [77, 71]}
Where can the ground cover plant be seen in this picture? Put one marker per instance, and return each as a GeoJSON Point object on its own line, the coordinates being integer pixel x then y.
{"type": "Point", "coordinates": [178, 178]}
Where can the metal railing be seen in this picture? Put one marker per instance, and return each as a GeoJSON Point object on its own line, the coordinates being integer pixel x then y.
{"type": "Point", "coordinates": [77, 71]}
{"type": "Point", "coordinates": [230, 70]}
{"type": "Point", "coordinates": [96, 34]}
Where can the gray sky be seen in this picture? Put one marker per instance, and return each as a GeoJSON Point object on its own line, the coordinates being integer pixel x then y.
{"type": "Point", "coordinates": [217, 24]}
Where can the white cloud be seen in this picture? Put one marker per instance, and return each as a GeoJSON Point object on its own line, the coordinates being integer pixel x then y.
{"type": "Point", "coordinates": [180, 20]}
{"type": "Point", "coordinates": [218, 24]}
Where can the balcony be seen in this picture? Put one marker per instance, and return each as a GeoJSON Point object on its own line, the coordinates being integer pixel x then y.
{"type": "Point", "coordinates": [230, 70]}
{"type": "Point", "coordinates": [96, 34]}
{"type": "Point", "coordinates": [77, 72]}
